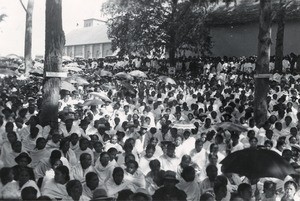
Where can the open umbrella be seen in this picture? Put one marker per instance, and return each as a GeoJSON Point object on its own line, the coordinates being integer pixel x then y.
{"type": "Point", "coordinates": [7, 72]}
{"type": "Point", "coordinates": [93, 102]}
{"type": "Point", "coordinates": [71, 68]}
{"type": "Point", "coordinates": [101, 95]}
{"type": "Point", "coordinates": [138, 73]}
{"type": "Point", "coordinates": [231, 126]}
{"type": "Point", "coordinates": [149, 81]}
{"type": "Point", "coordinates": [257, 163]}
{"type": "Point", "coordinates": [106, 73]}
{"type": "Point", "coordinates": [77, 79]}
{"type": "Point", "coordinates": [129, 87]}
{"type": "Point", "coordinates": [67, 86]}
{"type": "Point", "coordinates": [124, 75]}
{"type": "Point", "coordinates": [167, 79]}
{"type": "Point", "coordinates": [183, 126]}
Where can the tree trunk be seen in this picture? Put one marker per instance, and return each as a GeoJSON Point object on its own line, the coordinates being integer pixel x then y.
{"type": "Point", "coordinates": [280, 37]}
{"type": "Point", "coordinates": [262, 65]}
{"type": "Point", "coordinates": [55, 40]}
{"type": "Point", "coordinates": [28, 37]}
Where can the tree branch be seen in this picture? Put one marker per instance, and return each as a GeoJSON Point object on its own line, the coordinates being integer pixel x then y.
{"type": "Point", "coordinates": [23, 5]}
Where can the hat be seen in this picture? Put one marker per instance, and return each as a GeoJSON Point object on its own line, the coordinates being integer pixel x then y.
{"type": "Point", "coordinates": [100, 194]}
{"type": "Point", "coordinates": [170, 175]}
{"type": "Point", "coordinates": [69, 116]}
{"type": "Point", "coordinates": [295, 146]}
{"type": "Point", "coordinates": [23, 155]}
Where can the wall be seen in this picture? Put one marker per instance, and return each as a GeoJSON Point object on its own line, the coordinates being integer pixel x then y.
{"type": "Point", "coordinates": [242, 40]}
{"type": "Point", "coordinates": [106, 49]}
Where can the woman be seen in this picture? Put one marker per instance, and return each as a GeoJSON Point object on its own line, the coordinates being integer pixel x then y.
{"type": "Point", "coordinates": [14, 188]}
{"type": "Point", "coordinates": [154, 179]}
{"type": "Point", "coordinates": [39, 151]}
{"type": "Point", "coordinates": [104, 167]}
{"type": "Point", "coordinates": [113, 143]}
{"type": "Point", "coordinates": [67, 153]}
{"type": "Point", "coordinates": [6, 176]}
{"type": "Point", "coordinates": [134, 176]}
{"type": "Point", "coordinates": [290, 188]}
{"type": "Point", "coordinates": [144, 161]}
{"type": "Point", "coordinates": [56, 187]}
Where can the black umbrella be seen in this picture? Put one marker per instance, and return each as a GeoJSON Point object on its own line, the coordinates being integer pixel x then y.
{"type": "Point", "coordinates": [257, 163]}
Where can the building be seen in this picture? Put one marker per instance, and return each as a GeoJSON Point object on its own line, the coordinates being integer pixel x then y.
{"type": "Point", "coordinates": [234, 29]}
{"type": "Point", "coordinates": [88, 42]}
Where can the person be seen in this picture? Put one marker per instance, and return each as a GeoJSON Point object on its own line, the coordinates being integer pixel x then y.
{"type": "Point", "coordinates": [22, 160]}
{"type": "Point", "coordinates": [144, 161]}
{"type": "Point", "coordinates": [79, 171]}
{"type": "Point", "coordinates": [169, 191]}
{"type": "Point", "coordinates": [113, 143]}
{"type": "Point", "coordinates": [6, 176]}
{"type": "Point", "coordinates": [290, 188]}
{"type": "Point", "coordinates": [39, 152]}
{"type": "Point", "coordinates": [74, 190]}
{"type": "Point", "coordinates": [207, 197]}
{"type": "Point", "coordinates": [9, 159]}
{"type": "Point", "coordinates": [56, 188]}
{"type": "Point", "coordinates": [26, 179]}
{"type": "Point", "coordinates": [269, 192]}
{"type": "Point", "coordinates": [84, 148]}
{"type": "Point", "coordinates": [134, 176]}
{"type": "Point", "coordinates": [189, 184]}
{"type": "Point", "coordinates": [169, 161]}
{"type": "Point", "coordinates": [245, 191]}
{"type": "Point", "coordinates": [104, 168]}
{"type": "Point", "coordinates": [208, 183]}
{"type": "Point", "coordinates": [91, 183]}
{"type": "Point", "coordinates": [116, 183]}
{"type": "Point", "coordinates": [29, 193]}
{"type": "Point", "coordinates": [101, 194]}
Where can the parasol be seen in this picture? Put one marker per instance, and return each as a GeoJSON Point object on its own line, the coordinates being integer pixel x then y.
{"type": "Point", "coordinates": [93, 102]}
{"type": "Point", "coordinates": [67, 86]}
{"type": "Point", "coordinates": [257, 163]}
{"type": "Point", "coordinates": [231, 127]}
{"type": "Point", "coordinates": [167, 80]}
{"type": "Point", "coordinates": [101, 95]}
{"type": "Point", "coordinates": [124, 75]}
{"type": "Point", "coordinates": [138, 73]}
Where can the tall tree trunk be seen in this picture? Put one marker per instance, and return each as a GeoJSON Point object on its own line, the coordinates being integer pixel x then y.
{"type": "Point", "coordinates": [28, 36]}
{"type": "Point", "coordinates": [280, 37]}
{"type": "Point", "coordinates": [55, 40]}
{"type": "Point", "coordinates": [262, 65]}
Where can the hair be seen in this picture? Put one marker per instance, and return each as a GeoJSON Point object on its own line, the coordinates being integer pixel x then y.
{"type": "Point", "coordinates": [291, 182]}
{"type": "Point", "coordinates": [117, 169]}
{"type": "Point", "coordinates": [124, 195]}
{"type": "Point", "coordinates": [29, 193]}
{"type": "Point", "coordinates": [188, 173]}
{"type": "Point", "coordinates": [154, 164]}
{"type": "Point", "coordinates": [71, 184]}
{"type": "Point", "coordinates": [242, 187]}
{"type": "Point", "coordinates": [63, 142]}
{"type": "Point", "coordinates": [64, 169]}
{"type": "Point", "coordinates": [150, 146]}
{"type": "Point", "coordinates": [90, 175]}
{"type": "Point", "coordinates": [4, 173]}
{"type": "Point", "coordinates": [84, 155]}
{"type": "Point", "coordinates": [132, 162]}
{"type": "Point", "coordinates": [206, 196]}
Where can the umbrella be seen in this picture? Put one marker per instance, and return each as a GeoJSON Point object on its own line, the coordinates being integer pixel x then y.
{"type": "Point", "coordinates": [124, 75]}
{"type": "Point", "coordinates": [167, 79]}
{"type": "Point", "coordinates": [138, 73]}
{"type": "Point", "coordinates": [129, 87]}
{"type": "Point", "coordinates": [257, 163]}
{"type": "Point", "coordinates": [8, 72]}
{"type": "Point", "coordinates": [231, 127]}
{"type": "Point", "coordinates": [183, 126]}
{"type": "Point", "coordinates": [71, 68]}
{"type": "Point", "coordinates": [101, 95]}
{"type": "Point", "coordinates": [106, 73]}
{"type": "Point", "coordinates": [93, 102]}
{"type": "Point", "coordinates": [67, 86]}
{"type": "Point", "coordinates": [37, 72]}
{"type": "Point", "coordinates": [150, 81]}
{"type": "Point", "coordinates": [77, 79]}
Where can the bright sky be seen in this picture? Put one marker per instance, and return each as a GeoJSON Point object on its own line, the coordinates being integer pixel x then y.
{"type": "Point", "coordinates": [12, 29]}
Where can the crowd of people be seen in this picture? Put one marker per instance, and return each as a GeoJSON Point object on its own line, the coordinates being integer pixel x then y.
{"type": "Point", "coordinates": [152, 135]}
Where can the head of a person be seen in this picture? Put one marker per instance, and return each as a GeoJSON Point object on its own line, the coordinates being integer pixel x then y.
{"type": "Point", "coordinates": [186, 160]}
{"type": "Point", "coordinates": [104, 158]}
{"type": "Point", "coordinates": [23, 159]}
{"type": "Point", "coordinates": [212, 172]}
{"type": "Point", "coordinates": [214, 148]}
{"type": "Point", "coordinates": [269, 189]}
{"type": "Point", "coordinates": [290, 188]}
{"type": "Point", "coordinates": [6, 175]}
{"type": "Point", "coordinates": [112, 152]}
{"type": "Point", "coordinates": [61, 174]}
{"type": "Point", "coordinates": [253, 142]}
{"type": "Point", "coordinates": [245, 191]}
{"type": "Point", "coordinates": [287, 154]}
{"type": "Point", "coordinates": [74, 138]}
{"type": "Point", "coordinates": [17, 146]}
{"type": "Point", "coordinates": [55, 155]}
{"type": "Point", "coordinates": [34, 131]}
{"type": "Point", "coordinates": [154, 165]}
{"type": "Point", "coordinates": [150, 150]}
{"type": "Point", "coordinates": [207, 196]}
{"type": "Point", "coordinates": [92, 180]}
{"type": "Point", "coordinates": [83, 144]}
{"type": "Point", "coordinates": [64, 145]}
{"type": "Point", "coordinates": [188, 173]}
{"type": "Point", "coordinates": [171, 150]}
{"type": "Point", "coordinates": [220, 191]}
{"type": "Point", "coordinates": [25, 174]}
{"type": "Point", "coordinates": [131, 166]}
{"type": "Point", "coordinates": [178, 140]}
{"type": "Point", "coordinates": [98, 146]}
{"type": "Point", "coordinates": [85, 160]}
{"type": "Point", "coordinates": [74, 189]}
{"type": "Point", "coordinates": [29, 193]}
{"type": "Point", "coordinates": [199, 145]}
{"type": "Point", "coordinates": [212, 158]}
{"type": "Point", "coordinates": [170, 179]}
{"type": "Point", "coordinates": [118, 175]}
{"type": "Point", "coordinates": [268, 144]}
{"type": "Point", "coordinates": [41, 143]}
{"type": "Point", "coordinates": [12, 137]}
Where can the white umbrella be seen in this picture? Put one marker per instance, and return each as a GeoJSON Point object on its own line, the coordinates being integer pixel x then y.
{"type": "Point", "coordinates": [138, 73]}
{"type": "Point", "coordinates": [167, 79]}
{"type": "Point", "coordinates": [101, 95]}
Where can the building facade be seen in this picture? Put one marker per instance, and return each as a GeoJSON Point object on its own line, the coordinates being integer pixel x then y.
{"type": "Point", "coordinates": [89, 42]}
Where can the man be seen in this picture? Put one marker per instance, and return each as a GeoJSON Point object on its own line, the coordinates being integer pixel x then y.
{"type": "Point", "coordinates": [79, 171]}
{"type": "Point", "coordinates": [104, 167]}
{"type": "Point", "coordinates": [169, 161]}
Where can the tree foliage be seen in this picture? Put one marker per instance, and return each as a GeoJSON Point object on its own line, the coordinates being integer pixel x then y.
{"type": "Point", "coordinates": [147, 26]}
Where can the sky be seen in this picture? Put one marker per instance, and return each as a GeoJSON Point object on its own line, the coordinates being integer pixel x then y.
{"type": "Point", "coordinates": [12, 29]}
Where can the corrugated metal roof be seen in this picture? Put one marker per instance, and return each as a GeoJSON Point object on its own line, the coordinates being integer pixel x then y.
{"type": "Point", "coordinates": [88, 35]}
